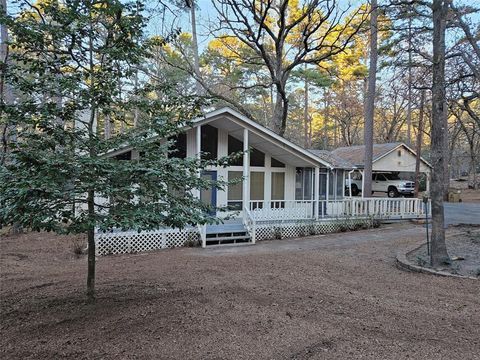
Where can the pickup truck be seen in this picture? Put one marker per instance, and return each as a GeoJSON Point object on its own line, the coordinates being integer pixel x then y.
{"type": "Point", "coordinates": [388, 183]}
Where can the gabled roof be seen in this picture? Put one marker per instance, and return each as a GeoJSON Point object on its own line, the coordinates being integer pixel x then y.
{"type": "Point", "coordinates": [265, 133]}
{"type": "Point", "coordinates": [261, 131]}
{"type": "Point", "coordinates": [356, 154]}
{"type": "Point", "coordinates": [333, 159]}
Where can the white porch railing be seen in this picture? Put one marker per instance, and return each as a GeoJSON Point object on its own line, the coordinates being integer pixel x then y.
{"type": "Point", "coordinates": [381, 208]}
{"type": "Point", "coordinates": [282, 209]}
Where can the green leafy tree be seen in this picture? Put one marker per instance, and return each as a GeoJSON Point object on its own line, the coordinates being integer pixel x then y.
{"type": "Point", "coordinates": [67, 59]}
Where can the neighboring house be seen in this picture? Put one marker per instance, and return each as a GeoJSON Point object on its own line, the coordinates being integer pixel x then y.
{"type": "Point", "coordinates": [286, 190]}
{"type": "Point", "coordinates": [387, 158]}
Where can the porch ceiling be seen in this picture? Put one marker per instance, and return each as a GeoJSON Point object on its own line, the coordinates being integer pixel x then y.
{"type": "Point", "coordinates": [265, 143]}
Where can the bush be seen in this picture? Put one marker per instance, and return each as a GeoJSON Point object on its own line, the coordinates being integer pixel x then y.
{"type": "Point", "coordinates": [78, 248]}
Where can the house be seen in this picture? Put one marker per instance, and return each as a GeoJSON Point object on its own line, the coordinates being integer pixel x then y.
{"type": "Point", "coordinates": [387, 158]}
{"type": "Point", "coordinates": [285, 190]}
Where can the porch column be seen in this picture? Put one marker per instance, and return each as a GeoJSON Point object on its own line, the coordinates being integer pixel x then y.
{"type": "Point", "coordinates": [350, 183]}
{"type": "Point", "coordinates": [198, 150]}
{"type": "Point", "coordinates": [363, 183]}
{"type": "Point", "coordinates": [317, 191]}
{"type": "Point", "coordinates": [246, 168]}
{"type": "Point", "coordinates": [427, 182]}
{"type": "Point", "coordinates": [328, 185]}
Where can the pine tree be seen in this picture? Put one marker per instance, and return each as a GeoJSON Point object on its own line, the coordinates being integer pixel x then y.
{"type": "Point", "coordinates": [58, 171]}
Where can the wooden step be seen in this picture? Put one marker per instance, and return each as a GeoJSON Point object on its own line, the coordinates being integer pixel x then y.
{"type": "Point", "coordinates": [228, 240]}
{"type": "Point", "coordinates": [227, 234]}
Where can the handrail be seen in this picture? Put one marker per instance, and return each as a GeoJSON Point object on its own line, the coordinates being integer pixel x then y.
{"type": "Point", "coordinates": [249, 223]}
{"type": "Point", "coordinates": [202, 230]}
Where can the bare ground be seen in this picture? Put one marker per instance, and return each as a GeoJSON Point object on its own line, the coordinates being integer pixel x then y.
{"type": "Point", "coordinates": [331, 297]}
{"type": "Point", "coordinates": [463, 249]}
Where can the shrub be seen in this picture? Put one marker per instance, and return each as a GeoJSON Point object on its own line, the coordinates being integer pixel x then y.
{"type": "Point", "coordinates": [77, 248]}
{"type": "Point", "coordinates": [277, 233]}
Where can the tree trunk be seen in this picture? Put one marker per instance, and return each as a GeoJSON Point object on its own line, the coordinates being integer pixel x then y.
{"type": "Point", "coordinates": [196, 59]}
{"type": "Point", "coordinates": [306, 127]}
{"type": "Point", "coordinates": [473, 167]}
{"type": "Point", "coordinates": [280, 112]}
{"type": "Point", "coordinates": [370, 101]}
{"type": "Point", "coordinates": [438, 253]}
{"type": "Point", "coordinates": [419, 143]}
{"type": "Point", "coordinates": [8, 131]}
{"type": "Point", "coordinates": [326, 119]}
{"type": "Point", "coordinates": [91, 251]}
{"type": "Point", "coordinates": [409, 105]}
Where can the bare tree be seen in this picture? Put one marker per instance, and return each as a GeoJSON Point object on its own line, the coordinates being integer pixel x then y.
{"type": "Point", "coordinates": [266, 27]}
{"type": "Point", "coordinates": [370, 101]}
{"type": "Point", "coordinates": [439, 130]}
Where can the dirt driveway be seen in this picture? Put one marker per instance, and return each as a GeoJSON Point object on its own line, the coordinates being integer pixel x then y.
{"type": "Point", "coordinates": [332, 297]}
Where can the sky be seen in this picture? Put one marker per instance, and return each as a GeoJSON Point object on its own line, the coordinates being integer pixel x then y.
{"type": "Point", "coordinates": [206, 14]}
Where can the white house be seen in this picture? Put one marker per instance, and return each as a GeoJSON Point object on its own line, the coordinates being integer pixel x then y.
{"type": "Point", "coordinates": [286, 190]}
{"type": "Point", "coordinates": [390, 157]}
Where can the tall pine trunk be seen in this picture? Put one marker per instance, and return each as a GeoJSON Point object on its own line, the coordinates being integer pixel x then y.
{"type": "Point", "coordinates": [196, 59]}
{"type": "Point", "coordinates": [409, 106]}
{"type": "Point", "coordinates": [91, 249]}
{"type": "Point", "coordinates": [4, 88]}
{"type": "Point", "coordinates": [438, 254]}
{"type": "Point", "coordinates": [419, 142]}
{"type": "Point", "coordinates": [326, 119]}
{"type": "Point", "coordinates": [306, 116]}
{"type": "Point", "coordinates": [93, 154]}
{"type": "Point", "coordinates": [370, 102]}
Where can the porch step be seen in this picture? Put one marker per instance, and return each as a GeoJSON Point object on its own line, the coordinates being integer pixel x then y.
{"type": "Point", "coordinates": [227, 234]}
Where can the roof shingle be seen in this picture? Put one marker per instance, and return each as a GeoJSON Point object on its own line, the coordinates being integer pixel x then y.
{"type": "Point", "coordinates": [356, 154]}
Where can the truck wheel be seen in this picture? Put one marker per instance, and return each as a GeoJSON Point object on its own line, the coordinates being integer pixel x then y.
{"type": "Point", "coordinates": [355, 190]}
{"type": "Point", "coordinates": [392, 192]}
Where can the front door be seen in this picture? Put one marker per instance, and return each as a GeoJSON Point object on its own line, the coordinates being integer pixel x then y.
{"type": "Point", "coordinates": [209, 196]}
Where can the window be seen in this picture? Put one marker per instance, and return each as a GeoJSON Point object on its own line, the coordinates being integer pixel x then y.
{"type": "Point", "coordinates": [234, 195]}
{"type": "Point", "coordinates": [277, 164]}
{"type": "Point", "coordinates": [278, 186]}
{"type": "Point", "coordinates": [124, 156]}
{"type": "Point", "coordinates": [304, 184]}
{"type": "Point", "coordinates": [235, 146]}
{"type": "Point", "coordinates": [299, 184]}
{"type": "Point", "coordinates": [340, 186]}
{"type": "Point", "coordinates": [323, 186]}
{"type": "Point", "coordinates": [331, 185]}
{"type": "Point", "coordinates": [257, 158]}
{"type": "Point", "coordinates": [393, 176]}
{"type": "Point", "coordinates": [399, 153]}
{"type": "Point", "coordinates": [179, 146]}
{"type": "Point", "coordinates": [257, 182]}
{"type": "Point", "coordinates": [209, 143]}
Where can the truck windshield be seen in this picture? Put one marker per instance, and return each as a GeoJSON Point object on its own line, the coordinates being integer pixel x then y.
{"type": "Point", "coordinates": [392, 176]}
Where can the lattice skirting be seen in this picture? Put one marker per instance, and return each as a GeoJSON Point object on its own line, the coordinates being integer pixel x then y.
{"type": "Point", "coordinates": [125, 242]}
{"type": "Point", "coordinates": [300, 229]}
